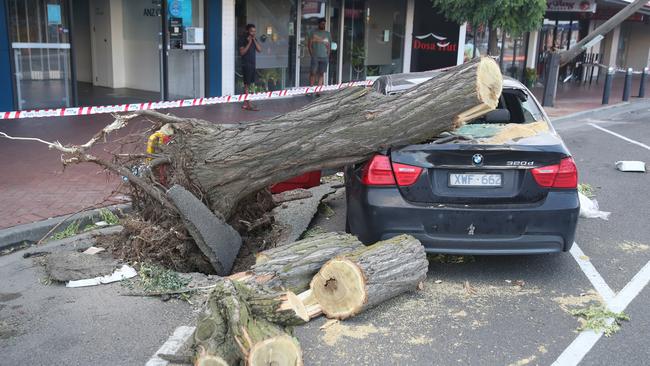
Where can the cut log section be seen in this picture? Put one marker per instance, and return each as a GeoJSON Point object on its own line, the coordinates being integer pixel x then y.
{"type": "Point", "coordinates": [229, 331]}
{"type": "Point", "coordinates": [283, 308]}
{"type": "Point", "coordinates": [353, 282]}
{"type": "Point", "coordinates": [280, 350]}
{"type": "Point", "coordinates": [312, 307]}
{"type": "Point", "coordinates": [293, 265]}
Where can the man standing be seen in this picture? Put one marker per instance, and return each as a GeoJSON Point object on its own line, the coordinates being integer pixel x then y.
{"type": "Point", "coordinates": [319, 50]}
{"type": "Point", "coordinates": [248, 45]}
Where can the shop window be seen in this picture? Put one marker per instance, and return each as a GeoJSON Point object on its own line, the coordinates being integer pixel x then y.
{"type": "Point", "coordinates": [275, 24]}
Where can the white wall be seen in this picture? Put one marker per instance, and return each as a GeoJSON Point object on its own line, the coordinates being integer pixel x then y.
{"type": "Point", "coordinates": [81, 37]}
{"type": "Point", "coordinates": [638, 47]}
{"type": "Point", "coordinates": [139, 56]}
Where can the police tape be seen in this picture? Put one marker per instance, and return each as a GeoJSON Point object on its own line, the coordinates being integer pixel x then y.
{"type": "Point", "coordinates": [133, 107]}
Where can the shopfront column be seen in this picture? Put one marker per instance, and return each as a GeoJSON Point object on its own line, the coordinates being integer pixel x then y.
{"type": "Point", "coordinates": [611, 51]}
{"type": "Point", "coordinates": [228, 49]}
{"type": "Point", "coordinates": [533, 40]}
{"type": "Point", "coordinates": [6, 88]}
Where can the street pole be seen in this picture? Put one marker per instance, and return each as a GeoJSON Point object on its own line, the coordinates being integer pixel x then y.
{"type": "Point", "coordinates": [552, 75]}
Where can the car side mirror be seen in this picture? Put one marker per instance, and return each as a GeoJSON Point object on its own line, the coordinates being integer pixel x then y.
{"type": "Point", "coordinates": [498, 116]}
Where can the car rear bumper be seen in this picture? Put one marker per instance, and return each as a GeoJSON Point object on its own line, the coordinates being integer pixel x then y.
{"type": "Point", "coordinates": [379, 213]}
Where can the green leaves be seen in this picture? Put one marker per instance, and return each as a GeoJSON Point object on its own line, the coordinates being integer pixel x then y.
{"type": "Point", "coordinates": [513, 16]}
{"type": "Point", "coordinates": [597, 318]}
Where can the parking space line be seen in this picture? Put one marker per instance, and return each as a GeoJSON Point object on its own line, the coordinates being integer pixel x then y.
{"type": "Point", "coordinates": [620, 136]}
{"type": "Point", "coordinates": [586, 340]}
{"type": "Point", "coordinates": [631, 290]}
{"type": "Point", "coordinates": [592, 274]}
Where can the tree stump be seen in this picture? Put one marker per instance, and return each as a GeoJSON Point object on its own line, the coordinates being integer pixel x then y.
{"type": "Point", "coordinates": [353, 282]}
{"type": "Point", "coordinates": [293, 265]}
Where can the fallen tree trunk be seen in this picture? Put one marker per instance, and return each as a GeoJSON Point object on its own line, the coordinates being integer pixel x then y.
{"type": "Point", "coordinates": [353, 282]}
{"type": "Point", "coordinates": [230, 162]}
{"type": "Point", "coordinates": [229, 332]}
{"type": "Point", "coordinates": [292, 266]}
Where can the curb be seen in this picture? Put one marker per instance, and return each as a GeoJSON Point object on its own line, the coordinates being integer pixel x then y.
{"type": "Point", "coordinates": [33, 232]}
{"type": "Point", "coordinates": [590, 111]}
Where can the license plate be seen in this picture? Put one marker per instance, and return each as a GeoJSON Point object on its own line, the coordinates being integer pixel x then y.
{"type": "Point", "coordinates": [474, 180]}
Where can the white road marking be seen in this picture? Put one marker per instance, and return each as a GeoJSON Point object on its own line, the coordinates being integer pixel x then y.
{"type": "Point", "coordinates": [592, 274]}
{"type": "Point", "coordinates": [173, 344]}
{"type": "Point", "coordinates": [620, 136]}
{"type": "Point", "coordinates": [631, 290]}
{"type": "Point", "coordinates": [585, 341]}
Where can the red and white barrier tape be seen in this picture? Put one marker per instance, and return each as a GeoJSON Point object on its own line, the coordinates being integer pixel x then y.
{"type": "Point", "coordinates": [82, 111]}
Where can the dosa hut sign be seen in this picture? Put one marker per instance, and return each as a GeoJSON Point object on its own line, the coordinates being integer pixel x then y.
{"type": "Point", "coordinates": [435, 39]}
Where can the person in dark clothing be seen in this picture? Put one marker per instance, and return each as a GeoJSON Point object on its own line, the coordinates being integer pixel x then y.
{"type": "Point", "coordinates": [248, 45]}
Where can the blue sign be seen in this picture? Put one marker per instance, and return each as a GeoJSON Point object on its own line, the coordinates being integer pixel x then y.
{"type": "Point", "coordinates": [53, 14]}
{"type": "Point", "coordinates": [181, 9]}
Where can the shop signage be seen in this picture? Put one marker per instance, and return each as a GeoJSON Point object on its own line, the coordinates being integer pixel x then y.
{"type": "Point", "coordinates": [435, 39]}
{"type": "Point", "coordinates": [572, 6]}
{"type": "Point", "coordinates": [606, 13]}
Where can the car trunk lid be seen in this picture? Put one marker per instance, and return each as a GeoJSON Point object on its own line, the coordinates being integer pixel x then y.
{"type": "Point", "coordinates": [466, 174]}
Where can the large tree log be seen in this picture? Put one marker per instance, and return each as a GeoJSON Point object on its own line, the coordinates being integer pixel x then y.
{"type": "Point", "coordinates": [293, 265]}
{"type": "Point", "coordinates": [353, 282]}
{"type": "Point", "coordinates": [228, 331]}
{"type": "Point", "coordinates": [229, 162]}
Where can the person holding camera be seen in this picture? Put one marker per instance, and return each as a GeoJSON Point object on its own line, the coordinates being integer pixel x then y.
{"type": "Point", "coordinates": [248, 45]}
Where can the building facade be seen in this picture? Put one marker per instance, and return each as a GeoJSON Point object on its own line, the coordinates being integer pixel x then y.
{"type": "Point", "coordinates": [56, 53]}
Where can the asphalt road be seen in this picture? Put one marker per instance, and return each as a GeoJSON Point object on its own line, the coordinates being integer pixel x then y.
{"type": "Point", "coordinates": [468, 313]}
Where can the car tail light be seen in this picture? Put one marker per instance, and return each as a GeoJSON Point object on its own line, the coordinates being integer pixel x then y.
{"type": "Point", "coordinates": [562, 175]}
{"type": "Point", "coordinates": [378, 172]}
{"type": "Point", "coordinates": [406, 174]}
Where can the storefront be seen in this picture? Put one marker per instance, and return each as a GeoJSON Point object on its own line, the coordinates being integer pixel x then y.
{"type": "Point", "coordinates": [367, 39]}
{"type": "Point", "coordinates": [95, 52]}
{"type": "Point", "coordinates": [101, 52]}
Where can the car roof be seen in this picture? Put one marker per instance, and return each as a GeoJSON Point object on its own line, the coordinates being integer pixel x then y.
{"type": "Point", "coordinates": [399, 82]}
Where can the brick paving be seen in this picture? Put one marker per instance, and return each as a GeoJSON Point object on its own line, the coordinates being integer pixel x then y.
{"type": "Point", "coordinates": [34, 187]}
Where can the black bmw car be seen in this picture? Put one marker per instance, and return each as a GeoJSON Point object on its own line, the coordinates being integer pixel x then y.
{"type": "Point", "coordinates": [502, 184]}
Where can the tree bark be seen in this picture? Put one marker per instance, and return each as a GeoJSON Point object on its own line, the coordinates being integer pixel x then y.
{"type": "Point", "coordinates": [292, 266]}
{"type": "Point", "coordinates": [229, 331]}
{"type": "Point", "coordinates": [611, 23]}
{"type": "Point", "coordinates": [229, 162]}
{"type": "Point", "coordinates": [353, 282]}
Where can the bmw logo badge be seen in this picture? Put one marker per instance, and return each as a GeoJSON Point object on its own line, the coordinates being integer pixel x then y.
{"type": "Point", "coordinates": [477, 159]}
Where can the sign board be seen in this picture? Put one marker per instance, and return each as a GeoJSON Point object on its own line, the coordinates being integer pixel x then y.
{"type": "Point", "coordinates": [571, 6]}
{"type": "Point", "coordinates": [53, 14]}
{"type": "Point", "coordinates": [181, 9]}
{"type": "Point", "coordinates": [435, 39]}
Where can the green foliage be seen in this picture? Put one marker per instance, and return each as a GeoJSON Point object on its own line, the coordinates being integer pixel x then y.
{"type": "Point", "coordinates": [312, 232]}
{"type": "Point", "coordinates": [596, 318]}
{"type": "Point", "coordinates": [450, 259]}
{"type": "Point", "coordinates": [586, 189]}
{"type": "Point", "coordinates": [513, 16]}
{"type": "Point", "coordinates": [154, 278]}
{"type": "Point", "coordinates": [109, 217]}
{"type": "Point", "coordinates": [69, 231]}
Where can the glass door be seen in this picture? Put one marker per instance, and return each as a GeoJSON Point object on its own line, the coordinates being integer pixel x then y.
{"type": "Point", "coordinates": [276, 33]}
{"type": "Point", "coordinates": [311, 12]}
{"type": "Point", "coordinates": [39, 36]}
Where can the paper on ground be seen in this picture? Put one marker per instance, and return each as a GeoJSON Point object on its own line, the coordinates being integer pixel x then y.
{"type": "Point", "coordinates": [120, 274]}
{"type": "Point", "coordinates": [631, 166]}
{"type": "Point", "coordinates": [589, 208]}
{"type": "Point", "coordinates": [93, 250]}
